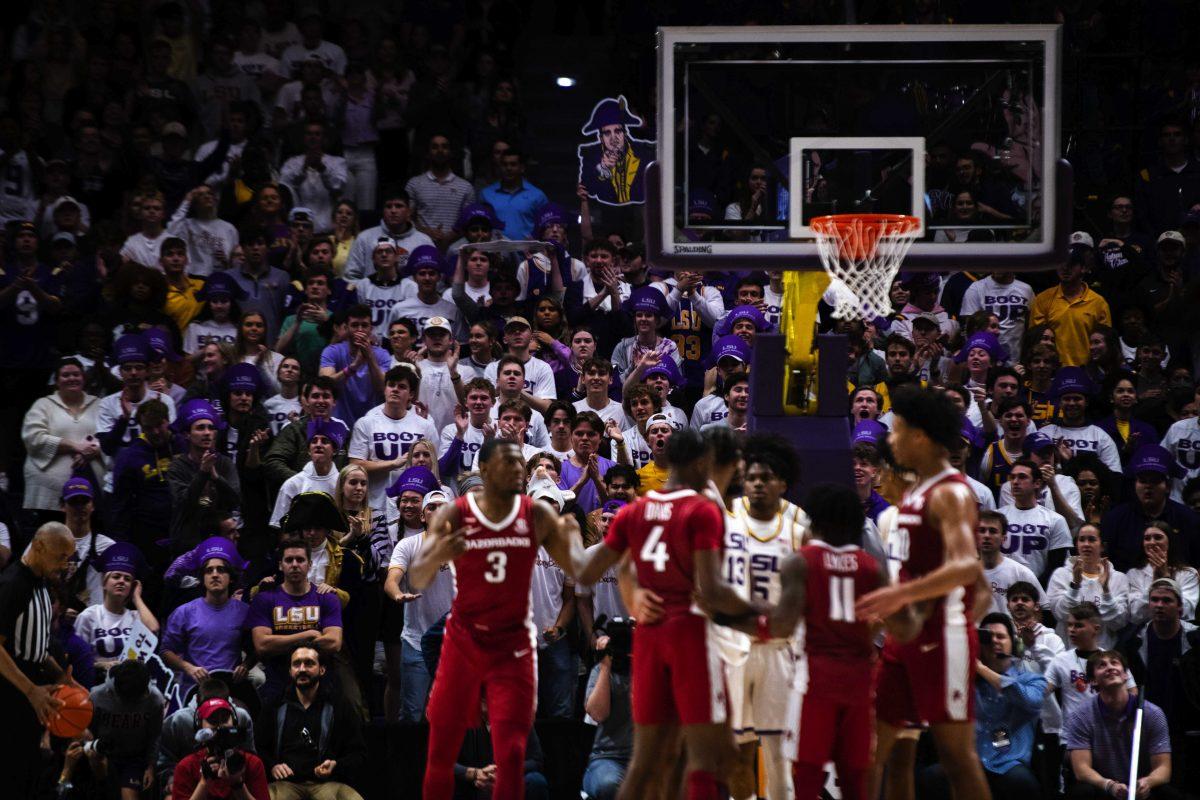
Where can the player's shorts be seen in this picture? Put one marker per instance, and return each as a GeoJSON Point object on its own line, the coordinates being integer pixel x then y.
{"type": "Point", "coordinates": [759, 688]}
{"type": "Point", "coordinates": [930, 679]}
{"type": "Point", "coordinates": [677, 674]}
{"type": "Point", "coordinates": [830, 729]}
{"type": "Point", "coordinates": [504, 666]}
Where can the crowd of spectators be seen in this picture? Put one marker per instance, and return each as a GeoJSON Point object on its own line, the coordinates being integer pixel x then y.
{"type": "Point", "coordinates": [250, 345]}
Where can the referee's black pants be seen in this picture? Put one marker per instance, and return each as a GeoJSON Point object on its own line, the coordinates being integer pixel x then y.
{"type": "Point", "coordinates": [21, 758]}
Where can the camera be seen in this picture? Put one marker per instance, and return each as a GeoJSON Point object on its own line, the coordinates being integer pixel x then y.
{"type": "Point", "coordinates": [620, 640]}
{"type": "Point", "coordinates": [222, 746]}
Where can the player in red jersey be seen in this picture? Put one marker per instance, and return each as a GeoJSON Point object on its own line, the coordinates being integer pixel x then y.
{"type": "Point", "coordinates": [929, 679]}
{"type": "Point", "coordinates": [820, 584]}
{"type": "Point", "coordinates": [674, 537]}
{"type": "Point", "coordinates": [490, 643]}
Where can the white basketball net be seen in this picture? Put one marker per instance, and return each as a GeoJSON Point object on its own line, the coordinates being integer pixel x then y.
{"type": "Point", "coordinates": [864, 252]}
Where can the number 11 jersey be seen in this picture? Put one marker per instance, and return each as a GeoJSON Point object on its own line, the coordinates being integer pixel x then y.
{"type": "Point", "coordinates": [663, 530]}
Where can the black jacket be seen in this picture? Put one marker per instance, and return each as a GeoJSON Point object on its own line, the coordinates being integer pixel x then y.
{"type": "Point", "coordinates": [340, 737]}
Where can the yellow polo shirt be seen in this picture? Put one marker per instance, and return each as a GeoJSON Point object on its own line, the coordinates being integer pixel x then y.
{"type": "Point", "coordinates": [1072, 320]}
{"type": "Point", "coordinates": [653, 478]}
{"type": "Point", "coordinates": [182, 305]}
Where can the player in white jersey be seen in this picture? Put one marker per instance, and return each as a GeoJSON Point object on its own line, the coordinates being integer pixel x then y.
{"type": "Point", "coordinates": [761, 530]}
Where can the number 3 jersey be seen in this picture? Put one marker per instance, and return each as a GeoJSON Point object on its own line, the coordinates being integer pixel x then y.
{"type": "Point", "coordinates": [493, 576]}
{"type": "Point", "coordinates": [662, 530]}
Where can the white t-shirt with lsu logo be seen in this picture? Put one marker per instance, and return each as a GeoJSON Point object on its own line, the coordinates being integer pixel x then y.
{"type": "Point", "coordinates": [1087, 439]}
{"type": "Point", "coordinates": [378, 437]}
{"type": "Point", "coordinates": [381, 299]}
{"type": "Point", "coordinates": [1183, 440]}
{"type": "Point", "coordinates": [282, 410]}
{"type": "Point", "coordinates": [1032, 533]}
{"type": "Point", "coordinates": [472, 441]}
{"type": "Point", "coordinates": [203, 332]}
{"type": "Point", "coordinates": [1008, 301]}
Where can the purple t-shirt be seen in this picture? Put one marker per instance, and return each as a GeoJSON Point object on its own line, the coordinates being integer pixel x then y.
{"type": "Point", "coordinates": [285, 614]}
{"type": "Point", "coordinates": [357, 395]}
{"type": "Point", "coordinates": [207, 636]}
{"type": "Point", "coordinates": [587, 499]}
{"type": "Point", "coordinates": [1109, 736]}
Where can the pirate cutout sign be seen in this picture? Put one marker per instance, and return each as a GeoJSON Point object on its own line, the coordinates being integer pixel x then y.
{"type": "Point", "coordinates": [612, 168]}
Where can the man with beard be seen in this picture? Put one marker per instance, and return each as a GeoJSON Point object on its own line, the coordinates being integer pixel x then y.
{"type": "Point", "coordinates": [25, 661]}
{"type": "Point", "coordinates": [311, 740]}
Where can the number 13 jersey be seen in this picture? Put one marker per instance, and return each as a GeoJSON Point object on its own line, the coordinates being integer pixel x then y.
{"type": "Point", "coordinates": [663, 530]}
{"type": "Point", "coordinates": [492, 577]}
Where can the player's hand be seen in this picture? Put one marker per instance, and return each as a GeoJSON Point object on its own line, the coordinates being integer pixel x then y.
{"type": "Point", "coordinates": [44, 703]}
{"type": "Point", "coordinates": [880, 604]}
{"type": "Point", "coordinates": [450, 545]}
{"type": "Point", "coordinates": [569, 526]}
{"type": "Point", "coordinates": [647, 606]}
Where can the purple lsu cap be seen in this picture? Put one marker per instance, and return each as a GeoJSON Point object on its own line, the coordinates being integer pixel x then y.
{"type": "Point", "coordinates": [243, 377]}
{"type": "Point", "coordinates": [160, 344]}
{"type": "Point", "coordinates": [424, 257]}
{"type": "Point", "coordinates": [1152, 458]}
{"type": "Point", "coordinates": [130, 348]}
{"type": "Point", "coordinates": [121, 557]}
{"type": "Point", "coordinates": [868, 431]}
{"type": "Point", "coordinates": [77, 486]}
{"type": "Point", "coordinates": [612, 506]}
{"type": "Point", "coordinates": [1036, 442]}
{"type": "Point", "coordinates": [217, 547]}
{"type": "Point", "coordinates": [731, 346]}
{"type": "Point", "coordinates": [668, 369]}
{"type": "Point", "coordinates": [333, 431]}
{"type": "Point", "coordinates": [414, 479]}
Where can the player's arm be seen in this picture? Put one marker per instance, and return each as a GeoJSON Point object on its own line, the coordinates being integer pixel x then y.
{"type": "Point", "coordinates": [954, 510]}
{"type": "Point", "coordinates": [905, 624]}
{"type": "Point", "coordinates": [561, 537]}
{"type": "Point", "coordinates": [444, 542]}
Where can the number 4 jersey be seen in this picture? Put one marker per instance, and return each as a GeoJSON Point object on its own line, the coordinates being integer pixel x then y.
{"type": "Point", "coordinates": [663, 530]}
{"type": "Point", "coordinates": [493, 576]}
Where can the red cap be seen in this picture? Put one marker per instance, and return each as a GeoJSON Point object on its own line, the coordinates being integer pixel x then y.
{"type": "Point", "coordinates": [213, 705]}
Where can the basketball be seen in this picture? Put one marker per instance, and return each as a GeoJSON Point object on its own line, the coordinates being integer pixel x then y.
{"type": "Point", "coordinates": [73, 716]}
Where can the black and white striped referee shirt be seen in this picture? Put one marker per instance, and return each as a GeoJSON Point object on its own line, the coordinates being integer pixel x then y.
{"type": "Point", "coordinates": [25, 616]}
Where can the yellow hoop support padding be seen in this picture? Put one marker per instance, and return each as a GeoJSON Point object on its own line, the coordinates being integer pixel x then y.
{"type": "Point", "coordinates": [802, 290]}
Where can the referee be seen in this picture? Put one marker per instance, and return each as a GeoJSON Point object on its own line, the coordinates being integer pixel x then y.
{"type": "Point", "coordinates": [25, 661]}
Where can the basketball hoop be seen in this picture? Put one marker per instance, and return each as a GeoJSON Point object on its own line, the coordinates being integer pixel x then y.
{"type": "Point", "coordinates": [864, 252]}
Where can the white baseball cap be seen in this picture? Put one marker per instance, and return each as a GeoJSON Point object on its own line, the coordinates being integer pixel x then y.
{"type": "Point", "coordinates": [1082, 237]}
{"type": "Point", "coordinates": [1172, 236]}
{"type": "Point", "coordinates": [435, 323]}
{"type": "Point", "coordinates": [436, 496]}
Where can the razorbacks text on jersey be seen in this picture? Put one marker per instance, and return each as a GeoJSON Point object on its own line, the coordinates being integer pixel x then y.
{"type": "Point", "coordinates": [493, 576]}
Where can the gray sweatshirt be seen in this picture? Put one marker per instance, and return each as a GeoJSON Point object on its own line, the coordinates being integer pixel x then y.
{"type": "Point", "coordinates": [127, 730]}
